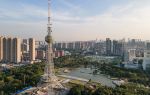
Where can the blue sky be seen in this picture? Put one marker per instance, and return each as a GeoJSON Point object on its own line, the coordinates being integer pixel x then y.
{"type": "Point", "coordinates": [76, 19]}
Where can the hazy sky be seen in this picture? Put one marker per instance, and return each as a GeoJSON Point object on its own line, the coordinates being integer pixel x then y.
{"type": "Point", "coordinates": [76, 19]}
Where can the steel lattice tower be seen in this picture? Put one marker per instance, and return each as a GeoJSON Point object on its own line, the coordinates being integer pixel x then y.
{"type": "Point", "coordinates": [49, 77]}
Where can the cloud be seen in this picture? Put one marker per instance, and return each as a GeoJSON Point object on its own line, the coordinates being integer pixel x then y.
{"type": "Point", "coordinates": [129, 20]}
{"type": "Point", "coordinates": [70, 5]}
{"type": "Point", "coordinates": [22, 13]}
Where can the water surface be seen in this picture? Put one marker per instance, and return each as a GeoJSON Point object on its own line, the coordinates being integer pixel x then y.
{"type": "Point", "coordinates": [87, 73]}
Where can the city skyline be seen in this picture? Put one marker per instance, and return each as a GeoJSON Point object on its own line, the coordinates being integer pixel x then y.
{"type": "Point", "coordinates": [74, 20]}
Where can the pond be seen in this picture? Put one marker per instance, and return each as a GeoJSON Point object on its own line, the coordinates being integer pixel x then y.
{"type": "Point", "coordinates": [87, 73]}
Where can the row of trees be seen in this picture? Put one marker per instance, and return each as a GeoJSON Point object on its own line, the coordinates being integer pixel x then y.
{"type": "Point", "coordinates": [14, 79]}
{"type": "Point", "coordinates": [73, 61]}
{"type": "Point", "coordinates": [20, 77]}
{"type": "Point", "coordinates": [130, 89]}
{"type": "Point", "coordinates": [133, 75]}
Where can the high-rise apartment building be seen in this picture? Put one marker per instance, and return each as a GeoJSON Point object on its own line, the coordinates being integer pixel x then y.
{"type": "Point", "coordinates": [146, 61]}
{"type": "Point", "coordinates": [148, 46]}
{"type": "Point", "coordinates": [115, 47]}
{"type": "Point", "coordinates": [32, 49]}
{"type": "Point", "coordinates": [77, 45]}
{"type": "Point", "coordinates": [64, 45]}
{"type": "Point", "coordinates": [108, 46]}
{"type": "Point", "coordinates": [12, 50]}
{"type": "Point", "coordinates": [24, 45]}
{"type": "Point", "coordinates": [9, 49]}
{"type": "Point", "coordinates": [71, 45]}
{"type": "Point", "coordinates": [40, 54]}
{"type": "Point", "coordinates": [5, 59]}
{"type": "Point", "coordinates": [1, 48]}
{"type": "Point", "coordinates": [118, 48]}
{"type": "Point", "coordinates": [99, 48]}
{"type": "Point", "coordinates": [16, 50]}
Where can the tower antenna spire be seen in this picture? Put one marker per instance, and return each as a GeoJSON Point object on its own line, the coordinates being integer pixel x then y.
{"type": "Point", "coordinates": [49, 18]}
{"type": "Point", "coordinates": [49, 5]}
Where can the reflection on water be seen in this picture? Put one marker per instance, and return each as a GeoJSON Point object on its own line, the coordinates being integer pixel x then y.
{"type": "Point", "coordinates": [87, 73]}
